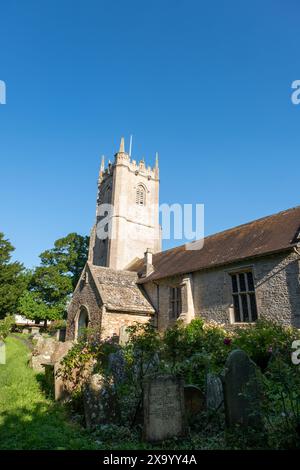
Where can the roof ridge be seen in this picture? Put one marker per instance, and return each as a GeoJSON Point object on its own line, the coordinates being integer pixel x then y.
{"type": "Point", "coordinates": [230, 229]}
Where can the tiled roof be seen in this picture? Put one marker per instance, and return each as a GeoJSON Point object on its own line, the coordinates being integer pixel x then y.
{"type": "Point", "coordinates": [119, 290]}
{"type": "Point", "coordinates": [264, 236]}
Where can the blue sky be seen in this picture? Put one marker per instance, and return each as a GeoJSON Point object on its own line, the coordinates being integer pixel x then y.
{"type": "Point", "coordinates": [207, 84]}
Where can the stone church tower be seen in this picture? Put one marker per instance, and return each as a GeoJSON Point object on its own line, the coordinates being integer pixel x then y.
{"type": "Point", "coordinates": [131, 225]}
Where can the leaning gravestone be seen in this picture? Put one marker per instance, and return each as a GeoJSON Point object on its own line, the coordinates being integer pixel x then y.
{"type": "Point", "coordinates": [214, 392]}
{"type": "Point", "coordinates": [241, 391]}
{"type": "Point", "coordinates": [164, 412]}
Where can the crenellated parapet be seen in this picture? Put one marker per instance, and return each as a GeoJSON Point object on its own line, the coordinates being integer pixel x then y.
{"type": "Point", "coordinates": [123, 158]}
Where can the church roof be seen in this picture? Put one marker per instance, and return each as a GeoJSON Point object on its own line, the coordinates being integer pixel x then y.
{"type": "Point", "coordinates": [260, 237]}
{"type": "Point", "coordinates": [119, 290]}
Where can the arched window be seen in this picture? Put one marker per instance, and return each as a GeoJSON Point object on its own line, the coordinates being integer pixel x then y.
{"type": "Point", "coordinates": [83, 321]}
{"type": "Point", "coordinates": [140, 195]}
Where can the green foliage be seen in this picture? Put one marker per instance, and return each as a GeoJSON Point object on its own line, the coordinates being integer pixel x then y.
{"type": "Point", "coordinates": [68, 256]}
{"type": "Point", "coordinates": [144, 342]}
{"type": "Point", "coordinates": [52, 283]}
{"type": "Point", "coordinates": [32, 307]}
{"type": "Point", "coordinates": [6, 326]}
{"type": "Point", "coordinates": [281, 405]}
{"type": "Point", "coordinates": [56, 325]}
{"type": "Point", "coordinates": [76, 363]}
{"type": "Point", "coordinates": [263, 339]}
{"type": "Point", "coordinates": [191, 350]}
{"type": "Point", "coordinates": [13, 279]}
{"type": "Point", "coordinates": [110, 433]}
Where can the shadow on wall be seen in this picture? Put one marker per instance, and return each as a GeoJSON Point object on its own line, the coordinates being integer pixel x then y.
{"type": "Point", "coordinates": [293, 285]}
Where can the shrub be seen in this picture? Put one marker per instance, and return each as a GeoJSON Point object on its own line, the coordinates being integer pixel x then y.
{"type": "Point", "coordinates": [56, 325]}
{"type": "Point", "coordinates": [264, 339]}
{"type": "Point", "coordinates": [281, 383]}
{"type": "Point", "coordinates": [76, 364]}
{"type": "Point", "coordinates": [6, 326]}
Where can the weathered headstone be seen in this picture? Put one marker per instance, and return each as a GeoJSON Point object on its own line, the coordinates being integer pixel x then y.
{"type": "Point", "coordinates": [59, 386]}
{"type": "Point", "coordinates": [49, 377]}
{"type": "Point", "coordinates": [61, 334]}
{"type": "Point", "coordinates": [93, 410]}
{"type": "Point", "coordinates": [35, 330]}
{"type": "Point", "coordinates": [116, 364]}
{"type": "Point", "coordinates": [214, 392]}
{"type": "Point", "coordinates": [123, 335]}
{"type": "Point", "coordinates": [25, 331]}
{"type": "Point", "coordinates": [164, 412]}
{"type": "Point", "coordinates": [61, 349]}
{"type": "Point", "coordinates": [193, 400]}
{"type": "Point", "coordinates": [241, 391]}
{"type": "Point", "coordinates": [42, 353]}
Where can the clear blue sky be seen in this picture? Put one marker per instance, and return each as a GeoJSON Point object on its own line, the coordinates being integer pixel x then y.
{"type": "Point", "coordinates": [207, 84]}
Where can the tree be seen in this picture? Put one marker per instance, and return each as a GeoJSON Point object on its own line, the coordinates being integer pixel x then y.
{"type": "Point", "coordinates": [69, 255]}
{"type": "Point", "coordinates": [5, 326]}
{"type": "Point", "coordinates": [52, 283]}
{"type": "Point", "coordinates": [13, 279]}
{"type": "Point", "coordinates": [31, 305]}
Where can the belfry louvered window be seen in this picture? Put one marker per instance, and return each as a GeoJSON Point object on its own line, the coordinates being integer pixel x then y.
{"type": "Point", "coordinates": [243, 293]}
{"type": "Point", "coordinates": [140, 195]}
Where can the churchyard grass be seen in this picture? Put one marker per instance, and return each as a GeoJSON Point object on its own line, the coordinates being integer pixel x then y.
{"type": "Point", "coordinates": [29, 420]}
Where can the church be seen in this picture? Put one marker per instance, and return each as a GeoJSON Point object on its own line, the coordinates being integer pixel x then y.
{"type": "Point", "coordinates": [239, 275]}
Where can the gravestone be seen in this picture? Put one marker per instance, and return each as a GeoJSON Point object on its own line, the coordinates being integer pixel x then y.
{"type": "Point", "coordinates": [52, 366]}
{"type": "Point", "coordinates": [35, 330]}
{"type": "Point", "coordinates": [42, 353]}
{"type": "Point", "coordinates": [93, 410]}
{"type": "Point", "coordinates": [25, 331]}
{"type": "Point", "coordinates": [60, 350]}
{"type": "Point", "coordinates": [164, 412]}
{"type": "Point", "coordinates": [214, 392]}
{"type": "Point", "coordinates": [193, 400]}
{"type": "Point", "coordinates": [49, 377]}
{"type": "Point", "coordinates": [241, 391]}
{"type": "Point", "coordinates": [123, 335]}
{"type": "Point", "coordinates": [2, 352]}
{"type": "Point", "coordinates": [116, 364]}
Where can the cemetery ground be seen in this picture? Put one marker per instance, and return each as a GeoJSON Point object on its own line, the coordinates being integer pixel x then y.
{"type": "Point", "coordinates": [29, 420]}
{"type": "Point", "coordinates": [213, 388]}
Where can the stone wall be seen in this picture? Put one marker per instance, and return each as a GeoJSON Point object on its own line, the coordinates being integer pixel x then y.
{"type": "Point", "coordinates": [112, 322]}
{"type": "Point", "coordinates": [277, 291]}
{"type": "Point", "coordinates": [86, 295]}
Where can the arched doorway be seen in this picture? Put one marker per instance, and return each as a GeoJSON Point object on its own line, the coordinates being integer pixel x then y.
{"type": "Point", "coordinates": [83, 321]}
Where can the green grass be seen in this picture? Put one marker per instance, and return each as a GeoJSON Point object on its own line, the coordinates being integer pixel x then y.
{"type": "Point", "coordinates": [28, 420]}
